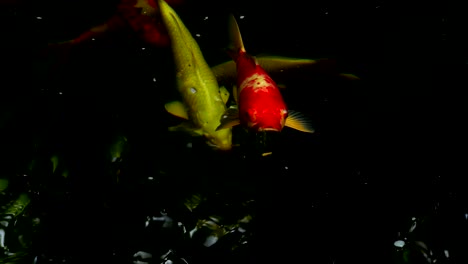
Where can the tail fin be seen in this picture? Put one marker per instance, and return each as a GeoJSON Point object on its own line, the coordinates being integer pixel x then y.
{"type": "Point", "coordinates": [235, 39]}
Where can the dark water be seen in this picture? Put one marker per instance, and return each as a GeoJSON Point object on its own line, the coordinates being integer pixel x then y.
{"type": "Point", "coordinates": [385, 165]}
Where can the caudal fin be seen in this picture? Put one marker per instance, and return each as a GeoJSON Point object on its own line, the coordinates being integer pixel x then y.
{"type": "Point", "coordinates": [235, 39]}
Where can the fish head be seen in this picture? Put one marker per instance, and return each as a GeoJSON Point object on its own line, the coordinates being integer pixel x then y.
{"type": "Point", "coordinates": [266, 119]}
{"type": "Point", "coordinates": [220, 140]}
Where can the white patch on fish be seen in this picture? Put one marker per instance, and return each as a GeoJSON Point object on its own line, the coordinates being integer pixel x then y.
{"type": "Point", "coordinates": [257, 82]}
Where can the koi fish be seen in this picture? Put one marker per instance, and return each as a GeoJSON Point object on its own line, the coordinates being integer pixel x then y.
{"type": "Point", "coordinates": [260, 104]}
{"type": "Point", "coordinates": [283, 69]}
{"type": "Point", "coordinates": [204, 102]}
{"type": "Point", "coordinates": [141, 16]}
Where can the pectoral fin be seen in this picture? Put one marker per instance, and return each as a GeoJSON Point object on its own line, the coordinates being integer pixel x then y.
{"type": "Point", "coordinates": [177, 108]}
{"type": "Point", "coordinates": [277, 64]}
{"type": "Point", "coordinates": [349, 76]}
{"type": "Point", "coordinates": [224, 94]}
{"type": "Point", "coordinates": [229, 119]}
{"type": "Point", "coordinates": [186, 127]}
{"type": "Point", "coordinates": [299, 122]}
{"type": "Point", "coordinates": [234, 93]}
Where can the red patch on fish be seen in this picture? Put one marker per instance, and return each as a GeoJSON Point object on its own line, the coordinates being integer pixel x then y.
{"type": "Point", "coordinates": [145, 23]}
{"type": "Point", "coordinates": [144, 19]}
{"type": "Point", "coordinates": [141, 16]}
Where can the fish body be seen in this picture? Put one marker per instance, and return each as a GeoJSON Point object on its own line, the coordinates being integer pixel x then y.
{"type": "Point", "coordinates": [140, 16]}
{"type": "Point", "coordinates": [260, 104]}
{"type": "Point", "coordinates": [203, 101]}
{"type": "Point", "coordinates": [284, 69]}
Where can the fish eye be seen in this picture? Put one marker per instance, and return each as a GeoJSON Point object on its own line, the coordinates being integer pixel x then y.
{"type": "Point", "coordinates": [193, 90]}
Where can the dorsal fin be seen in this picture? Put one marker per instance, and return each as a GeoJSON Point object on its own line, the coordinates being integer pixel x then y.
{"type": "Point", "coordinates": [235, 38]}
{"type": "Point", "coordinates": [177, 108]}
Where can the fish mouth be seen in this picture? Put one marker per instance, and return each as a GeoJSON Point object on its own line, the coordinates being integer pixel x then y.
{"type": "Point", "coordinates": [219, 147]}
{"type": "Point", "coordinates": [266, 129]}
{"type": "Point", "coordinates": [223, 148]}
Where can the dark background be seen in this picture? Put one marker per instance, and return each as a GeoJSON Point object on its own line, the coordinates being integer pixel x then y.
{"type": "Point", "coordinates": [388, 147]}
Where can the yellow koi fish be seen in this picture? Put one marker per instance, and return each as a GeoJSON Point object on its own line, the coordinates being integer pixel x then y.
{"type": "Point", "coordinates": [203, 102]}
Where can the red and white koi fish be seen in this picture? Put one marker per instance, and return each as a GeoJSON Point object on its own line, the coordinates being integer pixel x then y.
{"type": "Point", "coordinates": [260, 104]}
